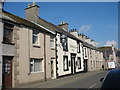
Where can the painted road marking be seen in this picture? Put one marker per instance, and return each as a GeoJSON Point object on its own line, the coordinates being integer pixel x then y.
{"type": "Point", "coordinates": [93, 85]}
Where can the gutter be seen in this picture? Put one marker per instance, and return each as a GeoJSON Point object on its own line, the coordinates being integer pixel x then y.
{"type": "Point", "coordinates": [43, 27]}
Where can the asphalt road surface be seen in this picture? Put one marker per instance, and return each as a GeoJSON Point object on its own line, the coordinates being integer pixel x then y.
{"type": "Point", "coordinates": [82, 80]}
{"type": "Point", "coordinates": [90, 81]}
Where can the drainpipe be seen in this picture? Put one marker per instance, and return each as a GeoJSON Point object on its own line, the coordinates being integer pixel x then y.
{"type": "Point", "coordinates": [56, 56]}
{"type": "Point", "coordinates": [45, 54]}
{"type": "Point", "coordinates": [29, 49]}
{"type": "Point", "coordinates": [1, 39]}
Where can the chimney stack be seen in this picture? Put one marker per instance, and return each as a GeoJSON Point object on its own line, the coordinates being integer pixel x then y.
{"type": "Point", "coordinates": [64, 25]}
{"type": "Point", "coordinates": [74, 32]}
{"type": "Point", "coordinates": [32, 12]}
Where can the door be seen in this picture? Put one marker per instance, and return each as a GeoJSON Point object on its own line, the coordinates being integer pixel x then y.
{"type": "Point", "coordinates": [85, 65]}
{"type": "Point", "coordinates": [73, 66]}
{"type": "Point", "coordinates": [52, 70]}
{"type": "Point", "coordinates": [7, 72]}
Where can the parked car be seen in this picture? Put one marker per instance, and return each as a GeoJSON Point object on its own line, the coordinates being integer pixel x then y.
{"type": "Point", "coordinates": [112, 79]}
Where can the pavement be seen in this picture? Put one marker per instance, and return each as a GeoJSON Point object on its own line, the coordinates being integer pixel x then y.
{"type": "Point", "coordinates": [73, 81]}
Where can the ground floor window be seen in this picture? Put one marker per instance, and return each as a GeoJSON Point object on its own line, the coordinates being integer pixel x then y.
{"type": "Point", "coordinates": [79, 62]}
{"type": "Point", "coordinates": [65, 63]}
{"type": "Point", "coordinates": [35, 65]}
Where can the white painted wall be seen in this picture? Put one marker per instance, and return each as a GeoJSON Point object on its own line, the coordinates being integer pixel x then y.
{"type": "Point", "coordinates": [72, 48]}
{"type": "Point", "coordinates": [60, 54]}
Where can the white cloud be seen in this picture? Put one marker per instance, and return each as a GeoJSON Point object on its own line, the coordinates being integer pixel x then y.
{"type": "Point", "coordinates": [85, 28]}
{"type": "Point", "coordinates": [110, 43]}
{"type": "Point", "coordinates": [98, 44]}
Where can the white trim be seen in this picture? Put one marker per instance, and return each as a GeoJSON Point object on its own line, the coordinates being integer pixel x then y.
{"type": "Point", "coordinates": [43, 27]}
{"type": "Point", "coordinates": [36, 72]}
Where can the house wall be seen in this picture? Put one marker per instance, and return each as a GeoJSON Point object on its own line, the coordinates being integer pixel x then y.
{"type": "Point", "coordinates": [95, 60]}
{"type": "Point", "coordinates": [53, 57]}
{"type": "Point", "coordinates": [72, 49]}
{"type": "Point", "coordinates": [80, 55]}
{"type": "Point", "coordinates": [8, 49]}
{"type": "Point", "coordinates": [26, 51]}
{"type": "Point", "coordinates": [1, 39]}
{"type": "Point", "coordinates": [60, 54]}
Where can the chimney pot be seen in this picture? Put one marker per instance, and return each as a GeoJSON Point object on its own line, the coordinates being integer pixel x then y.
{"type": "Point", "coordinates": [29, 5]}
{"type": "Point", "coordinates": [64, 25]}
{"type": "Point", "coordinates": [34, 3]}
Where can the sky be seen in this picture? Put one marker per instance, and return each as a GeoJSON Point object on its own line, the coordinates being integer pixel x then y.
{"type": "Point", "coordinates": [97, 20]}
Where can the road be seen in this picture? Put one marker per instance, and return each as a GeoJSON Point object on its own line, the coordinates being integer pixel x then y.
{"type": "Point", "coordinates": [89, 81]}
{"type": "Point", "coordinates": [81, 80]}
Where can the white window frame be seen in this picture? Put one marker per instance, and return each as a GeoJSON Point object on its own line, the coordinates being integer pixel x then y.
{"type": "Point", "coordinates": [52, 42]}
{"type": "Point", "coordinates": [36, 34]}
{"type": "Point", "coordinates": [32, 62]}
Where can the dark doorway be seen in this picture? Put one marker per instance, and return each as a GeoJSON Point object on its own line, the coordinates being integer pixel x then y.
{"type": "Point", "coordinates": [85, 65]}
{"type": "Point", "coordinates": [52, 69]}
{"type": "Point", "coordinates": [7, 72]}
{"type": "Point", "coordinates": [73, 65]}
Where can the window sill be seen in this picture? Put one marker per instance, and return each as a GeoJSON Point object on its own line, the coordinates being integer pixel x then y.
{"type": "Point", "coordinates": [65, 50]}
{"type": "Point", "coordinates": [35, 72]}
{"type": "Point", "coordinates": [37, 46]}
{"type": "Point", "coordinates": [66, 70]}
{"type": "Point", "coordinates": [8, 43]}
{"type": "Point", "coordinates": [53, 48]}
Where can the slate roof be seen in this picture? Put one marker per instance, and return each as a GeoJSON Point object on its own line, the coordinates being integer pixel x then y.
{"type": "Point", "coordinates": [44, 23]}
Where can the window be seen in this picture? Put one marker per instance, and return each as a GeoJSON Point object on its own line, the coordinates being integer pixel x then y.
{"type": "Point", "coordinates": [35, 65]}
{"type": "Point", "coordinates": [85, 52]}
{"type": "Point", "coordinates": [35, 38]}
{"type": "Point", "coordinates": [65, 63]}
{"type": "Point", "coordinates": [52, 42]}
{"type": "Point", "coordinates": [79, 63]}
{"type": "Point", "coordinates": [78, 47]}
{"type": "Point", "coordinates": [8, 34]}
{"type": "Point", "coordinates": [63, 40]}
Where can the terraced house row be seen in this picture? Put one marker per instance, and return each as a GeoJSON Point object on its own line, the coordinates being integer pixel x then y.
{"type": "Point", "coordinates": [34, 49]}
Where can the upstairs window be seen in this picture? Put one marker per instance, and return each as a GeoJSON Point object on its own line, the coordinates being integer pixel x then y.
{"type": "Point", "coordinates": [51, 42]}
{"type": "Point", "coordinates": [35, 38]}
{"type": "Point", "coordinates": [85, 52]}
{"type": "Point", "coordinates": [8, 34]}
{"type": "Point", "coordinates": [78, 47]}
